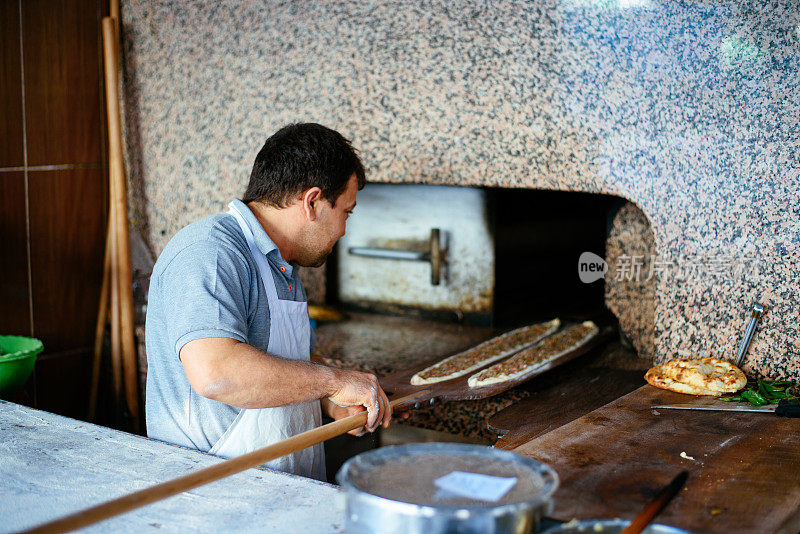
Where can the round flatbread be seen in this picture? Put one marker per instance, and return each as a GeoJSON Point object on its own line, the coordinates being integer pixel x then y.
{"type": "Point", "coordinates": [657, 379]}
{"type": "Point", "coordinates": [703, 376]}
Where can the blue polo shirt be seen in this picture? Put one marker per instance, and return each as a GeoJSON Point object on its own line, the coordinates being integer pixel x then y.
{"type": "Point", "coordinates": [206, 284]}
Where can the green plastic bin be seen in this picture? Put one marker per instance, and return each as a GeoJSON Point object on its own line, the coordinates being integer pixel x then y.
{"type": "Point", "coordinates": [17, 358]}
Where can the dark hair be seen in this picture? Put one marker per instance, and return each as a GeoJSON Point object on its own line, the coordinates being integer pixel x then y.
{"type": "Point", "coordinates": [301, 156]}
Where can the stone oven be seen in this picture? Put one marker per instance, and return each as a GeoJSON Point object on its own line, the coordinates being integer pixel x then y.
{"type": "Point", "coordinates": [688, 113]}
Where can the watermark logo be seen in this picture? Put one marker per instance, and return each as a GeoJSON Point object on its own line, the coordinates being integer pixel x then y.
{"type": "Point", "coordinates": [642, 268]}
{"type": "Point", "coordinates": [591, 267]}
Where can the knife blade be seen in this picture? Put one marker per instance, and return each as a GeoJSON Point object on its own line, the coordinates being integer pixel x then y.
{"type": "Point", "coordinates": [782, 409]}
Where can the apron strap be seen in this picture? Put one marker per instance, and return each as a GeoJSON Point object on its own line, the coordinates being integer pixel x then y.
{"type": "Point", "coordinates": [261, 259]}
{"type": "Point", "coordinates": [288, 337]}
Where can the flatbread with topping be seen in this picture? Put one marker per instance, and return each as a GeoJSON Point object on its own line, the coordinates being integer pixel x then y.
{"type": "Point", "coordinates": [702, 376]}
{"type": "Point", "coordinates": [531, 359]}
{"type": "Point", "coordinates": [485, 353]}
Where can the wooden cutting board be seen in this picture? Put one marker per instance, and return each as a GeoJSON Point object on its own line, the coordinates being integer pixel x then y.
{"type": "Point", "coordinates": [399, 383]}
{"type": "Point", "coordinates": [568, 393]}
{"type": "Point", "coordinates": [744, 475]}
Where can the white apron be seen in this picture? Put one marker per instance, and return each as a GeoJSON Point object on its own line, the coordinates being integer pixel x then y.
{"type": "Point", "coordinates": [289, 337]}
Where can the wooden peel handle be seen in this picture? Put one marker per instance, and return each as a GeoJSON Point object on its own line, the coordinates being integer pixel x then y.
{"type": "Point", "coordinates": [120, 210]}
{"type": "Point", "coordinates": [643, 518]}
{"type": "Point", "coordinates": [155, 493]}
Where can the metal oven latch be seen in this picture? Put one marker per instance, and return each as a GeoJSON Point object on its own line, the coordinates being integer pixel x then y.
{"type": "Point", "coordinates": [435, 255]}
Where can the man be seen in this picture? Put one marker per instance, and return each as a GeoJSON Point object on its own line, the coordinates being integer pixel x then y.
{"type": "Point", "coordinates": [228, 335]}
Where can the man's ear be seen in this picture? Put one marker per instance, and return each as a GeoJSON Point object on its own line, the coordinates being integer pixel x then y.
{"type": "Point", "coordinates": [310, 203]}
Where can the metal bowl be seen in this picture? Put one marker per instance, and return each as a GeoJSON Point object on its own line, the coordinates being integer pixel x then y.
{"type": "Point", "coordinates": [368, 512]}
{"type": "Point", "coordinates": [609, 526]}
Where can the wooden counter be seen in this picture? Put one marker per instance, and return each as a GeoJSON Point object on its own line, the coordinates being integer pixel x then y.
{"type": "Point", "coordinates": [744, 467]}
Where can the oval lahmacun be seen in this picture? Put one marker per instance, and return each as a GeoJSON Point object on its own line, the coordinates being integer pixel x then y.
{"type": "Point", "coordinates": [487, 352]}
{"type": "Point", "coordinates": [526, 362]}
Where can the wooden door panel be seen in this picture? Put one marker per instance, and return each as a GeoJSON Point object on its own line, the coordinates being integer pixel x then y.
{"type": "Point", "coordinates": [11, 133]}
{"type": "Point", "coordinates": [14, 301]}
{"type": "Point", "coordinates": [67, 243]}
{"type": "Point", "coordinates": [62, 55]}
{"type": "Point", "coordinates": [62, 383]}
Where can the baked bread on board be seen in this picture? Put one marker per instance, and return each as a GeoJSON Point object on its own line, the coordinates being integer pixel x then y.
{"type": "Point", "coordinates": [703, 376]}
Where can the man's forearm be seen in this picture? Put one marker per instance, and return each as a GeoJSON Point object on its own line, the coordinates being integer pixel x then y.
{"type": "Point", "coordinates": [241, 375]}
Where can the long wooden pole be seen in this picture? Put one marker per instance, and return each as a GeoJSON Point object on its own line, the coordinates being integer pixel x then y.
{"type": "Point", "coordinates": [117, 173]}
{"type": "Point", "coordinates": [116, 346]}
{"type": "Point", "coordinates": [105, 290]}
{"type": "Point", "coordinates": [100, 326]}
{"type": "Point", "coordinates": [223, 469]}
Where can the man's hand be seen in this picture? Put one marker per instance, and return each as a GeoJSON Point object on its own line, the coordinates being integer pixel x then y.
{"type": "Point", "coordinates": [336, 412]}
{"type": "Point", "coordinates": [356, 391]}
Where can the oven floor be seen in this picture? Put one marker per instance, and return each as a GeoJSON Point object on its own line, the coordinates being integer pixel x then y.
{"type": "Point", "coordinates": [382, 344]}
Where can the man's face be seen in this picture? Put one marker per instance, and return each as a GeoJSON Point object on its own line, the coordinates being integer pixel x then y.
{"type": "Point", "coordinates": [322, 234]}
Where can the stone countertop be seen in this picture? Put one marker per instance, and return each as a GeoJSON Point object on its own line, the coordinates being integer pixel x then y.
{"type": "Point", "coordinates": [51, 466]}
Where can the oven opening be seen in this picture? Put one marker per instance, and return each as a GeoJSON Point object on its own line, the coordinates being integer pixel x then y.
{"type": "Point", "coordinates": [509, 257]}
{"type": "Point", "coordinates": [539, 236]}
{"type": "Point", "coordinates": [425, 272]}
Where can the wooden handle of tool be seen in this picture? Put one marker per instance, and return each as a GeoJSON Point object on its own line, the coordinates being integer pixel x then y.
{"type": "Point", "coordinates": [640, 522]}
{"type": "Point", "coordinates": [120, 205]}
{"type": "Point", "coordinates": [114, 315]}
{"type": "Point", "coordinates": [155, 493]}
{"type": "Point", "coordinates": [100, 326]}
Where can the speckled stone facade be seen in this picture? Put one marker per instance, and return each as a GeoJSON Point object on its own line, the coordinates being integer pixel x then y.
{"type": "Point", "coordinates": [689, 110]}
{"type": "Point", "coordinates": [631, 280]}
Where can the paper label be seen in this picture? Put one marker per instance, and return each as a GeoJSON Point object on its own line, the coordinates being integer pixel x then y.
{"type": "Point", "coordinates": [474, 485]}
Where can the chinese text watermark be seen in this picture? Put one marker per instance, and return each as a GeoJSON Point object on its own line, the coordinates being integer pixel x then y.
{"type": "Point", "coordinates": [643, 268]}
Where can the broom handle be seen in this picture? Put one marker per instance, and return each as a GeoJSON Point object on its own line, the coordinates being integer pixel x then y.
{"type": "Point", "coordinates": [117, 172]}
{"type": "Point", "coordinates": [100, 327]}
{"type": "Point", "coordinates": [102, 312]}
{"type": "Point", "coordinates": [224, 469]}
{"type": "Point", "coordinates": [116, 355]}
